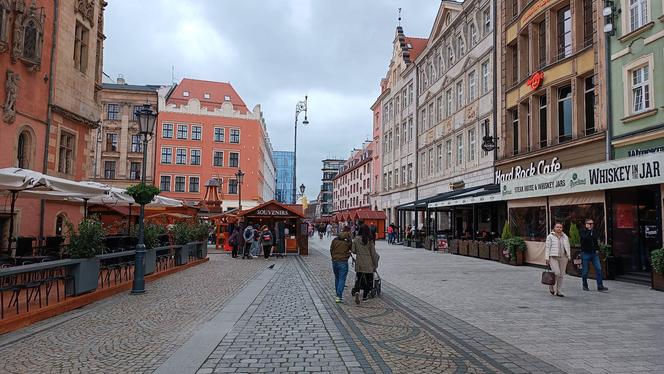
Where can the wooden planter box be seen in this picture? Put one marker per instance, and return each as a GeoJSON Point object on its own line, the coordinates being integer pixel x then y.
{"type": "Point", "coordinates": [484, 250]}
{"type": "Point", "coordinates": [463, 248]}
{"type": "Point", "coordinates": [473, 249]}
{"type": "Point", "coordinates": [575, 271]}
{"type": "Point", "coordinates": [518, 261]}
{"type": "Point", "coordinates": [494, 251]}
{"type": "Point", "coordinates": [657, 281]}
{"type": "Point", "coordinates": [454, 246]}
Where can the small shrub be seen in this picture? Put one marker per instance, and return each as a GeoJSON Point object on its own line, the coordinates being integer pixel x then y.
{"type": "Point", "coordinates": [507, 231]}
{"type": "Point", "coordinates": [201, 231]}
{"type": "Point", "coordinates": [574, 236]}
{"type": "Point", "coordinates": [657, 259]}
{"type": "Point", "coordinates": [151, 234]}
{"type": "Point", "coordinates": [88, 241]}
{"type": "Point", "coordinates": [182, 233]}
{"type": "Point", "coordinates": [512, 245]}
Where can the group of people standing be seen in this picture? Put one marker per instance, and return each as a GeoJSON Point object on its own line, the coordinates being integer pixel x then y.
{"type": "Point", "coordinates": [363, 246]}
{"type": "Point", "coordinates": [251, 240]}
{"type": "Point", "coordinates": [557, 254]}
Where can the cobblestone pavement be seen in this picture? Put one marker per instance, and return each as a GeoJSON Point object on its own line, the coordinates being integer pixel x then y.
{"type": "Point", "coordinates": [621, 331]}
{"type": "Point", "coordinates": [128, 334]}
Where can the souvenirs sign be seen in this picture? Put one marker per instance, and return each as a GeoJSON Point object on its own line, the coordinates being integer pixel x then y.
{"type": "Point", "coordinates": [629, 172]}
{"type": "Point", "coordinates": [272, 212]}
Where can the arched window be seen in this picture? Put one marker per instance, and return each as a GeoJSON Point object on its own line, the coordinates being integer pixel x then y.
{"type": "Point", "coordinates": [30, 41]}
{"type": "Point", "coordinates": [24, 150]}
{"type": "Point", "coordinates": [60, 220]}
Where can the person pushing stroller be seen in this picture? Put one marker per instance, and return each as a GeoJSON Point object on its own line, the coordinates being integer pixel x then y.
{"type": "Point", "coordinates": [366, 263]}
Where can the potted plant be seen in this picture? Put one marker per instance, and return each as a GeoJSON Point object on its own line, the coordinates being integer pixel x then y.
{"type": "Point", "coordinates": [143, 193]}
{"type": "Point", "coordinates": [473, 248]}
{"type": "Point", "coordinates": [484, 250]}
{"type": "Point", "coordinates": [657, 260]}
{"type": "Point", "coordinates": [575, 249]}
{"type": "Point", "coordinates": [84, 244]}
{"type": "Point", "coordinates": [514, 248]}
{"type": "Point", "coordinates": [182, 235]}
{"type": "Point", "coordinates": [151, 234]}
{"type": "Point", "coordinates": [454, 246]}
{"type": "Point", "coordinates": [608, 261]}
{"type": "Point", "coordinates": [201, 233]}
{"type": "Point", "coordinates": [463, 247]}
{"type": "Point", "coordinates": [494, 251]}
{"type": "Point", "coordinates": [501, 243]}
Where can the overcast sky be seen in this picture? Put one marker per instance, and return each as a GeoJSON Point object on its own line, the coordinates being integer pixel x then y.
{"type": "Point", "coordinates": [273, 52]}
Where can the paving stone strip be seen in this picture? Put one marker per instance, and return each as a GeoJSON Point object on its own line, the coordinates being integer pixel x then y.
{"type": "Point", "coordinates": [413, 336]}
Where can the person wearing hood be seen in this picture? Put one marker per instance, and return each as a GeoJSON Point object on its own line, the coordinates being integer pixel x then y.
{"type": "Point", "coordinates": [557, 253]}
{"type": "Point", "coordinates": [340, 252]}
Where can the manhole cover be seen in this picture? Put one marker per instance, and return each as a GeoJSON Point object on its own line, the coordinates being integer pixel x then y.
{"type": "Point", "coordinates": [522, 307]}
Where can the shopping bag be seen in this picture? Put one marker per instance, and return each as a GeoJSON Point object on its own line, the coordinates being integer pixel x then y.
{"type": "Point", "coordinates": [548, 277]}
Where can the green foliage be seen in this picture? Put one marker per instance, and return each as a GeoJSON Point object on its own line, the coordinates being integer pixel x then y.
{"type": "Point", "coordinates": [657, 260]}
{"type": "Point", "coordinates": [574, 236]}
{"type": "Point", "coordinates": [143, 193]}
{"type": "Point", "coordinates": [512, 245]}
{"type": "Point", "coordinates": [150, 234]}
{"type": "Point", "coordinates": [201, 230]}
{"type": "Point", "coordinates": [507, 231]}
{"type": "Point", "coordinates": [605, 249]}
{"type": "Point", "coordinates": [182, 233]}
{"type": "Point", "coordinates": [88, 241]}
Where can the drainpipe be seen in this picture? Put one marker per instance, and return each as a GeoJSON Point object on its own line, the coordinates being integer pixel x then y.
{"type": "Point", "coordinates": [417, 144]}
{"type": "Point", "coordinates": [495, 86]}
{"type": "Point", "coordinates": [607, 95]}
{"type": "Point", "coordinates": [49, 113]}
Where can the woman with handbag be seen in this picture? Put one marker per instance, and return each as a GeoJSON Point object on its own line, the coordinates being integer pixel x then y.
{"type": "Point", "coordinates": [557, 252]}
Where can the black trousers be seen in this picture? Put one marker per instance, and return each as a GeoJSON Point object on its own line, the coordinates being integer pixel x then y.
{"type": "Point", "coordinates": [247, 250]}
{"type": "Point", "coordinates": [364, 282]}
{"type": "Point", "coordinates": [266, 250]}
{"type": "Point", "coordinates": [234, 251]}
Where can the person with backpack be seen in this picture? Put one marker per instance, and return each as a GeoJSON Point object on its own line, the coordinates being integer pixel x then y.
{"type": "Point", "coordinates": [256, 245]}
{"type": "Point", "coordinates": [234, 241]}
{"type": "Point", "coordinates": [366, 263]}
{"type": "Point", "coordinates": [340, 252]}
{"type": "Point", "coordinates": [266, 241]}
{"type": "Point", "coordinates": [248, 237]}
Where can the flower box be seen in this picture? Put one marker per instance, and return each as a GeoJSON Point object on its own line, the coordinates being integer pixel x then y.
{"type": "Point", "coordinates": [454, 246]}
{"type": "Point", "coordinates": [463, 247]}
{"type": "Point", "coordinates": [484, 250]}
{"type": "Point", "coordinates": [85, 277]}
{"type": "Point", "coordinates": [473, 248]}
{"type": "Point", "coordinates": [657, 281]}
{"type": "Point", "coordinates": [494, 251]}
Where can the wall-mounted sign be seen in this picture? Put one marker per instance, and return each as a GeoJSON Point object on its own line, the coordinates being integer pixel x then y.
{"type": "Point", "coordinates": [644, 151]}
{"type": "Point", "coordinates": [535, 80]}
{"type": "Point", "coordinates": [629, 172]}
{"type": "Point", "coordinates": [535, 168]}
{"type": "Point", "coordinates": [271, 212]}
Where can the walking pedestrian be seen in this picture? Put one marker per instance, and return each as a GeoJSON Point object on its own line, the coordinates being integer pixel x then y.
{"type": "Point", "coordinates": [340, 252]}
{"type": "Point", "coordinates": [248, 237]}
{"type": "Point", "coordinates": [256, 245]}
{"type": "Point", "coordinates": [366, 262]}
{"type": "Point", "coordinates": [266, 241]}
{"type": "Point", "coordinates": [373, 230]}
{"type": "Point", "coordinates": [390, 231]}
{"type": "Point", "coordinates": [590, 254]}
{"type": "Point", "coordinates": [234, 241]}
{"type": "Point", "coordinates": [557, 253]}
{"type": "Point", "coordinates": [328, 230]}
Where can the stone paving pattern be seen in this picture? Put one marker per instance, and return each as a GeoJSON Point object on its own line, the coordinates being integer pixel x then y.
{"type": "Point", "coordinates": [130, 334]}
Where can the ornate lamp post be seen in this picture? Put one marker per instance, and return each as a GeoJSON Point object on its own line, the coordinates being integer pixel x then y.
{"type": "Point", "coordinates": [146, 121]}
{"type": "Point", "coordinates": [240, 177]}
{"type": "Point", "coordinates": [302, 189]}
{"type": "Point", "coordinates": [300, 107]}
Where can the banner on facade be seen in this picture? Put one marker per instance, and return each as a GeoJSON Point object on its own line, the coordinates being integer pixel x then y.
{"type": "Point", "coordinates": [627, 172]}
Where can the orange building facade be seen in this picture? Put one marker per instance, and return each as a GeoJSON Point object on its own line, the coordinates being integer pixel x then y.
{"type": "Point", "coordinates": [205, 131]}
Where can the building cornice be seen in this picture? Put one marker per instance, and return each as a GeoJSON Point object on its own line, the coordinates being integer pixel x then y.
{"type": "Point", "coordinates": [75, 117]}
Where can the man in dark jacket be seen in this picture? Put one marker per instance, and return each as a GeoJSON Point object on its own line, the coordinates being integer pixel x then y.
{"type": "Point", "coordinates": [340, 252]}
{"type": "Point", "coordinates": [590, 253]}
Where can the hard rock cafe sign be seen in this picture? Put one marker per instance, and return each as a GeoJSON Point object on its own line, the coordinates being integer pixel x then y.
{"type": "Point", "coordinates": [535, 168]}
{"type": "Point", "coordinates": [535, 80]}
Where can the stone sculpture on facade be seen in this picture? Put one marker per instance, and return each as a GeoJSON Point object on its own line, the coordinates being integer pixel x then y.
{"type": "Point", "coordinates": [11, 92]}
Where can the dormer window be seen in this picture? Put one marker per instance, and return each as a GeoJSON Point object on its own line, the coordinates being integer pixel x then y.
{"type": "Point", "coordinates": [185, 94]}
{"type": "Point", "coordinates": [227, 98]}
{"type": "Point", "coordinates": [206, 95]}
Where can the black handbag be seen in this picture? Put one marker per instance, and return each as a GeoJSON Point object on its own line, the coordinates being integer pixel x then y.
{"type": "Point", "coordinates": [548, 277]}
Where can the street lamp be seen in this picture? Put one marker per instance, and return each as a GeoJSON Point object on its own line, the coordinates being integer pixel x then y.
{"type": "Point", "coordinates": [240, 177]}
{"type": "Point", "coordinates": [300, 107]}
{"type": "Point", "coordinates": [146, 121]}
{"type": "Point", "coordinates": [302, 189]}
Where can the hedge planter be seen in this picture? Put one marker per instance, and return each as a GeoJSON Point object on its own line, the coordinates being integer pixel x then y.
{"type": "Point", "coordinates": [454, 246]}
{"type": "Point", "coordinates": [657, 281]}
{"type": "Point", "coordinates": [182, 254]}
{"type": "Point", "coordinates": [463, 248]}
{"type": "Point", "coordinates": [204, 249]}
{"type": "Point", "coordinates": [150, 260]}
{"type": "Point", "coordinates": [484, 250]}
{"type": "Point", "coordinates": [518, 261]}
{"type": "Point", "coordinates": [494, 251]}
{"type": "Point", "coordinates": [473, 249]}
{"type": "Point", "coordinates": [85, 277]}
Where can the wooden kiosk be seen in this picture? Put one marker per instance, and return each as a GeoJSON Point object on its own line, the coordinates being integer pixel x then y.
{"type": "Point", "coordinates": [286, 223]}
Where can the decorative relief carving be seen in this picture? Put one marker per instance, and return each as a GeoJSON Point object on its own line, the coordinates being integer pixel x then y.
{"type": "Point", "coordinates": [5, 12]}
{"type": "Point", "coordinates": [17, 43]}
{"type": "Point", "coordinates": [87, 10]}
{"type": "Point", "coordinates": [11, 92]}
{"type": "Point", "coordinates": [471, 112]}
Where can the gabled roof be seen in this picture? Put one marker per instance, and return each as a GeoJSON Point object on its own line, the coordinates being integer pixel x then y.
{"type": "Point", "coordinates": [446, 7]}
{"type": "Point", "coordinates": [294, 209]}
{"type": "Point", "coordinates": [217, 92]}
{"type": "Point", "coordinates": [417, 46]}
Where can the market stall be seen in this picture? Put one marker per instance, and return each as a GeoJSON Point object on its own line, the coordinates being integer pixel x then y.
{"type": "Point", "coordinates": [286, 223]}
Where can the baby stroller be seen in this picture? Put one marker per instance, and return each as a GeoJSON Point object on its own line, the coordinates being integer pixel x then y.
{"type": "Point", "coordinates": [376, 287]}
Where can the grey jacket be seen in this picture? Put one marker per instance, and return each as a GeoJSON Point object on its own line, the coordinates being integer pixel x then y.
{"type": "Point", "coordinates": [367, 257]}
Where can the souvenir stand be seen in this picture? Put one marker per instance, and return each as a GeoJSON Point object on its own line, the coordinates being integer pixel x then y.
{"type": "Point", "coordinates": [286, 222]}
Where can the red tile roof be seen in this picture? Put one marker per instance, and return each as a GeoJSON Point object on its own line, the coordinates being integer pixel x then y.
{"type": "Point", "coordinates": [198, 88]}
{"type": "Point", "coordinates": [418, 45]}
{"type": "Point", "coordinates": [371, 214]}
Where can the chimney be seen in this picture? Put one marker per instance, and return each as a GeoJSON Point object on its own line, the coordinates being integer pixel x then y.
{"type": "Point", "coordinates": [121, 79]}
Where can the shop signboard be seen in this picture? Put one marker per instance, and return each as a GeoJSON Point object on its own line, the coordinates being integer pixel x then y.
{"type": "Point", "coordinates": [441, 242]}
{"type": "Point", "coordinates": [629, 172]}
{"type": "Point", "coordinates": [272, 212]}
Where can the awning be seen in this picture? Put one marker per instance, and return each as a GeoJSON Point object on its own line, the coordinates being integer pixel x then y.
{"type": "Point", "coordinates": [485, 194]}
{"type": "Point", "coordinates": [122, 210]}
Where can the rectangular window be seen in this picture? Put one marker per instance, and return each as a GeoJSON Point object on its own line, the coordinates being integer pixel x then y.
{"type": "Point", "coordinates": [410, 173]}
{"type": "Point", "coordinates": [564, 33]}
{"type": "Point", "coordinates": [472, 86]}
{"type": "Point", "coordinates": [529, 131]}
{"type": "Point", "coordinates": [195, 156]}
{"type": "Point", "coordinates": [232, 187]}
{"type": "Point", "coordinates": [448, 151]}
{"type": "Point", "coordinates": [471, 145]}
{"type": "Point", "coordinates": [218, 134]}
{"type": "Point", "coordinates": [81, 42]}
{"type": "Point", "coordinates": [459, 155]}
{"type": "Point", "coordinates": [385, 185]}
{"type": "Point", "coordinates": [529, 223]}
{"type": "Point", "coordinates": [137, 108]}
{"type": "Point", "coordinates": [423, 164]}
{"type": "Point", "coordinates": [389, 180]}
{"type": "Point", "coordinates": [403, 174]}
{"type": "Point", "coordinates": [514, 8]}
{"type": "Point", "coordinates": [423, 120]}
{"type": "Point", "coordinates": [588, 25]}
{"type": "Point", "coordinates": [410, 128]}
{"type": "Point", "coordinates": [543, 123]}
{"type": "Point", "coordinates": [181, 156]}
{"type": "Point", "coordinates": [410, 93]}
{"type": "Point", "coordinates": [235, 136]}
{"type": "Point", "coordinates": [514, 115]}
{"type": "Point", "coordinates": [396, 178]}
{"type": "Point", "coordinates": [167, 130]}
{"type": "Point", "coordinates": [396, 138]}
{"type": "Point", "coordinates": [135, 171]}
{"type": "Point", "coordinates": [194, 183]}
{"type": "Point", "coordinates": [179, 184]}
{"type": "Point", "coordinates": [541, 36]}
{"type": "Point", "coordinates": [448, 105]}
{"type": "Point", "coordinates": [136, 144]}
{"type": "Point", "coordinates": [485, 77]}
{"type": "Point", "coordinates": [183, 132]}
{"type": "Point", "coordinates": [196, 132]}
{"type": "Point", "coordinates": [640, 89]}
{"type": "Point", "coordinates": [486, 15]}
{"type": "Point", "coordinates": [234, 160]}
{"type": "Point", "coordinates": [564, 114]}
{"type": "Point", "coordinates": [431, 115]}
{"type": "Point", "coordinates": [439, 158]}
{"type": "Point", "coordinates": [109, 169]}
{"type": "Point", "coordinates": [166, 155]}
{"type": "Point", "coordinates": [113, 111]}
{"type": "Point", "coordinates": [111, 142]}
{"type": "Point", "coordinates": [514, 52]}
{"type": "Point", "coordinates": [459, 90]}
{"type": "Point", "coordinates": [589, 103]}
{"type": "Point", "coordinates": [66, 153]}
{"type": "Point", "coordinates": [431, 162]}
{"type": "Point", "coordinates": [165, 183]}
{"type": "Point", "coordinates": [638, 14]}
{"type": "Point", "coordinates": [439, 109]}
{"type": "Point", "coordinates": [218, 159]}
{"type": "Point", "coordinates": [404, 132]}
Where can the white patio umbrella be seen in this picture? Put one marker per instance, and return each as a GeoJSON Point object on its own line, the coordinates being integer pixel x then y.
{"type": "Point", "coordinates": [166, 202]}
